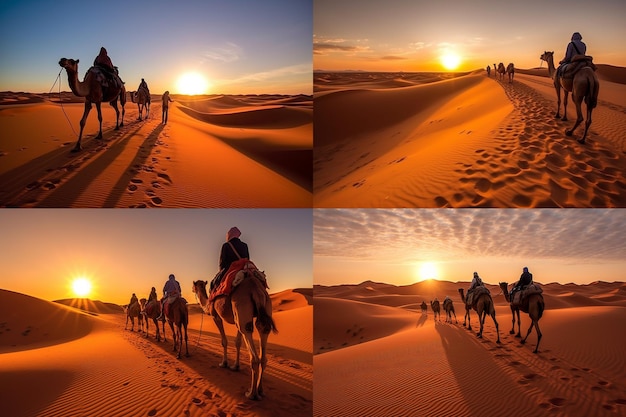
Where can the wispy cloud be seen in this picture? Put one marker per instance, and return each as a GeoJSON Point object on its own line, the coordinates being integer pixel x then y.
{"type": "Point", "coordinates": [228, 53]}
{"type": "Point", "coordinates": [323, 46]}
{"type": "Point", "coordinates": [579, 235]}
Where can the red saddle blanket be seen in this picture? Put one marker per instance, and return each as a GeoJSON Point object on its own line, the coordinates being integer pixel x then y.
{"type": "Point", "coordinates": [239, 270]}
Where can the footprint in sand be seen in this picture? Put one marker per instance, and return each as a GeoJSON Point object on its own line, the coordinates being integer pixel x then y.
{"type": "Point", "coordinates": [152, 412]}
{"type": "Point", "coordinates": [157, 201]}
{"type": "Point", "coordinates": [165, 177]}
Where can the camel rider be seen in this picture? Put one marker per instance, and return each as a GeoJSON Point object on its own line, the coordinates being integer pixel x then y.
{"type": "Point", "coordinates": [103, 61]}
{"type": "Point", "coordinates": [171, 291]}
{"type": "Point", "coordinates": [153, 295]}
{"type": "Point", "coordinates": [133, 300]}
{"type": "Point", "coordinates": [143, 84]}
{"type": "Point", "coordinates": [575, 47]}
{"type": "Point", "coordinates": [228, 255]}
{"type": "Point", "coordinates": [524, 281]}
{"type": "Point", "coordinates": [476, 282]}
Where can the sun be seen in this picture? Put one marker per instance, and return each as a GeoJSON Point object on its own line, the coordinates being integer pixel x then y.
{"type": "Point", "coordinates": [427, 270]}
{"type": "Point", "coordinates": [192, 83]}
{"type": "Point", "coordinates": [450, 61]}
{"type": "Point", "coordinates": [81, 287]}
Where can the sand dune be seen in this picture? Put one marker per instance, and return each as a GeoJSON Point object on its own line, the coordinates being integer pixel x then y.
{"type": "Point", "coordinates": [423, 367]}
{"type": "Point", "coordinates": [470, 141]}
{"type": "Point", "coordinates": [186, 163]}
{"type": "Point", "coordinates": [60, 361]}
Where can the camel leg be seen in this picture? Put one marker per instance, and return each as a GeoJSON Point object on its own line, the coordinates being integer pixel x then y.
{"type": "Point", "coordinates": [117, 113]}
{"type": "Point", "coordinates": [579, 115]}
{"type": "Point", "coordinates": [83, 120]}
{"type": "Point", "coordinates": [481, 322]}
{"type": "Point", "coordinates": [263, 334]}
{"type": "Point", "coordinates": [235, 367]}
{"type": "Point", "coordinates": [565, 98]}
{"type": "Point", "coordinates": [493, 316]}
{"type": "Point", "coordinates": [220, 326]}
{"type": "Point", "coordinates": [587, 122]}
{"type": "Point", "coordinates": [99, 109]}
{"type": "Point", "coordinates": [255, 364]}
{"type": "Point", "coordinates": [557, 87]}
{"type": "Point", "coordinates": [186, 343]}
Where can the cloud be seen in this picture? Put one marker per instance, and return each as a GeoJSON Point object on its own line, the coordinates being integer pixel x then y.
{"type": "Point", "coordinates": [229, 53]}
{"type": "Point", "coordinates": [322, 46]}
{"type": "Point", "coordinates": [393, 58]}
{"type": "Point", "coordinates": [578, 235]}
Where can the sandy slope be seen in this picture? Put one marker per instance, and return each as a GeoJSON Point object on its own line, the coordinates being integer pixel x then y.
{"type": "Point", "coordinates": [214, 152]}
{"type": "Point", "coordinates": [61, 361]}
{"type": "Point", "coordinates": [471, 141]}
{"type": "Point", "coordinates": [431, 367]}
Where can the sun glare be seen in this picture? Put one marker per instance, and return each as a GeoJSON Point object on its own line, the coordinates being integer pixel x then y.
{"type": "Point", "coordinates": [192, 83]}
{"type": "Point", "coordinates": [81, 287]}
{"type": "Point", "coordinates": [450, 61]}
{"type": "Point", "coordinates": [427, 270]}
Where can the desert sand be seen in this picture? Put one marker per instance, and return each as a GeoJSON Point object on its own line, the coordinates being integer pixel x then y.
{"type": "Point", "coordinates": [376, 354]}
{"type": "Point", "coordinates": [429, 140]}
{"type": "Point", "coordinates": [215, 151]}
{"type": "Point", "coordinates": [58, 360]}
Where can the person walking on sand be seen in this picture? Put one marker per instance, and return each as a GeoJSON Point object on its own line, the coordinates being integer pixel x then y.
{"type": "Point", "coordinates": [166, 100]}
{"type": "Point", "coordinates": [231, 251]}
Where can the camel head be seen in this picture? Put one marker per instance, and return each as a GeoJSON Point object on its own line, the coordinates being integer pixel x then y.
{"type": "Point", "coordinates": [504, 286]}
{"type": "Point", "coordinates": [546, 56]}
{"type": "Point", "coordinates": [199, 287]}
{"type": "Point", "coordinates": [69, 64]}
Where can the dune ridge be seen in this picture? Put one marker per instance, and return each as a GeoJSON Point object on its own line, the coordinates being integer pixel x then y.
{"type": "Point", "coordinates": [418, 366]}
{"type": "Point", "coordinates": [58, 360]}
{"type": "Point", "coordinates": [471, 141]}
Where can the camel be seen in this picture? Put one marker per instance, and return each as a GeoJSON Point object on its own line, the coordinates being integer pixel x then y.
{"type": "Point", "coordinates": [178, 318]}
{"type": "Point", "coordinates": [501, 71]}
{"type": "Point", "coordinates": [436, 309]}
{"type": "Point", "coordinates": [535, 309]}
{"type": "Point", "coordinates": [132, 311]}
{"type": "Point", "coordinates": [584, 85]}
{"type": "Point", "coordinates": [424, 307]}
{"type": "Point", "coordinates": [94, 91]}
{"type": "Point", "coordinates": [142, 98]}
{"type": "Point", "coordinates": [510, 70]}
{"type": "Point", "coordinates": [152, 311]}
{"type": "Point", "coordinates": [483, 306]}
{"type": "Point", "coordinates": [246, 301]}
{"type": "Point", "coordinates": [448, 307]}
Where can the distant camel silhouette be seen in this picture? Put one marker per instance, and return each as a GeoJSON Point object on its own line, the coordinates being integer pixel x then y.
{"type": "Point", "coordinates": [483, 304]}
{"type": "Point", "coordinates": [533, 305]}
{"type": "Point", "coordinates": [424, 307]}
{"type": "Point", "coordinates": [448, 307]}
{"type": "Point", "coordinates": [133, 310]}
{"type": "Point", "coordinates": [501, 71]}
{"type": "Point", "coordinates": [436, 309]}
{"type": "Point", "coordinates": [142, 98]}
{"type": "Point", "coordinates": [152, 310]}
{"type": "Point", "coordinates": [510, 70]}
{"type": "Point", "coordinates": [94, 90]}
{"type": "Point", "coordinates": [583, 85]}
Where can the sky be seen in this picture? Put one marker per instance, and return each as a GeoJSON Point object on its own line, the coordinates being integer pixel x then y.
{"type": "Point", "coordinates": [237, 46]}
{"type": "Point", "coordinates": [122, 251]}
{"type": "Point", "coordinates": [412, 35]}
{"type": "Point", "coordinates": [405, 246]}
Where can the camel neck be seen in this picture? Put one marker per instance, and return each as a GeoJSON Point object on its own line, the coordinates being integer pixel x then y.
{"type": "Point", "coordinates": [79, 89]}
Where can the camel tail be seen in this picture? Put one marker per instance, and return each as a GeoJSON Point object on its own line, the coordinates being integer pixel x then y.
{"type": "Point", "coordinates": [260, 299]}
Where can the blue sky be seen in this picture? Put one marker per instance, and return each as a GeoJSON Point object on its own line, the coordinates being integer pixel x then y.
{"type": "Point", "coordinates": [239, 46]}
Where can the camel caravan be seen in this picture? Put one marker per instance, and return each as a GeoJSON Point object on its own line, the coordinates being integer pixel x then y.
{"type": "Point", "coordinates": [241, 299]}
{"type": "Point", "coordinates": [525, 296]}
{"type": "Point", "coordinates": [102, 84]}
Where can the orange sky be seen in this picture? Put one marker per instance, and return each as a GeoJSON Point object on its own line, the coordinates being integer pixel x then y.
{"type": "Point", "coordinates": [558, 245]}
{"type": "Point", "coordinates": [124, 251]}
{"type": "Point", "coordinates": [409, 35]}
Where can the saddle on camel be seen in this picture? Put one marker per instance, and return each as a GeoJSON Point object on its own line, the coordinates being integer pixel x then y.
{"type": "Point", "coordinates": [473, 295]}
{"type": "Point", "coordinates": [519, 298]}
{"type": "Point", "coordinates": [241, 269]}
{"type": "Point", "coordinates": [567, 71]}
